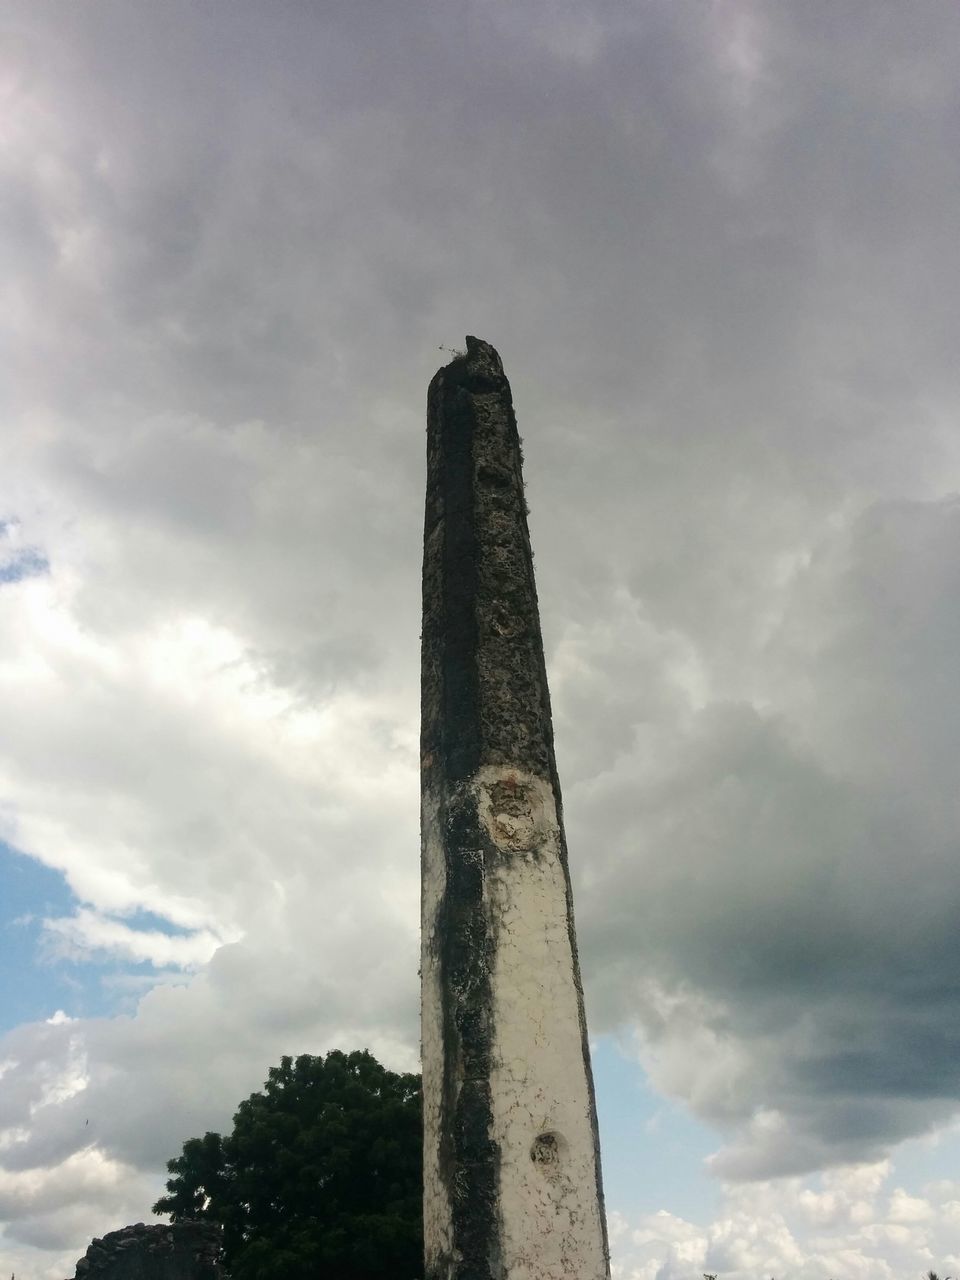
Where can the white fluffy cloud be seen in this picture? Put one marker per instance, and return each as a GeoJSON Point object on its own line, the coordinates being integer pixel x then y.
{"type": "Point", "coordinates": [853, 1224]}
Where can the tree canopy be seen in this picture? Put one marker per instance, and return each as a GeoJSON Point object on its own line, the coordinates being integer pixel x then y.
{"type": "Point", "coordinates": [321, 1176]}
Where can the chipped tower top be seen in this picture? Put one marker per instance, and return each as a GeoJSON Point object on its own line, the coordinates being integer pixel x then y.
{"type": "Point", "coordinates": [483, 653]}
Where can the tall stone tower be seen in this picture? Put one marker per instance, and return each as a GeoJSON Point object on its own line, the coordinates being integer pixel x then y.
{"type": "Point", "coordinates": [512, 1186]}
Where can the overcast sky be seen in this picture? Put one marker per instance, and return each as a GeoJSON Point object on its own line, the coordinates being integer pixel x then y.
{"type": "Point", "coordinates": [717, 244]}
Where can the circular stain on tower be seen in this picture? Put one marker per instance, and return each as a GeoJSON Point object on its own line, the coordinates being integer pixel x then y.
{"type": "Point", "coordinates": [547, 1152]}
{"type": "Point", "coordinates": [513, 814]}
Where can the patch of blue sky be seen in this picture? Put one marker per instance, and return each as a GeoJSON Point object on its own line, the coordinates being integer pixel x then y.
{"type": "Point", "coordinates": [37, 980]}
{"type": "Point", "coordinates": [32, 989]}
{"type": "Point", "coordinates": [652, 1149]}
{"type": "Point", "coordinates": [146, 922]}
{"type": "Point", "coordinates": [931, 1159]}
{"type": "Point", "coordinates": [26, 562]}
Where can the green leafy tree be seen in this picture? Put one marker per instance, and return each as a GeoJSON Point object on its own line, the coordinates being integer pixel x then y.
{"type": "Point", "coordinates": [321, 1178]}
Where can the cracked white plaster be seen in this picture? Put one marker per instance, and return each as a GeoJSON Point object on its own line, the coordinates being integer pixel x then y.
{"type": "Point", "coordinates": [550, 1224]}
{"type": "Point", "coordinates": [550, 1216]}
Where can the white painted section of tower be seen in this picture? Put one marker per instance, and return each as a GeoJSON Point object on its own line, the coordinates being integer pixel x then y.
{"type": "Point", "coordinates": [550, 1216]}
{"type": "Point", "coordinates": [551, 1224]}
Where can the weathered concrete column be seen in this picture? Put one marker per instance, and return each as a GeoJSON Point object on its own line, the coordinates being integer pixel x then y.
{"type": "Point", "coordinates": [511, 1160]}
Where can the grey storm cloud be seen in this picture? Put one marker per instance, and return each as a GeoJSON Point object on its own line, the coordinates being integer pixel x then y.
{"type": "Point", "coordinates": [798, 866]}
{"type": "Point", "coordinates": [717, 247]}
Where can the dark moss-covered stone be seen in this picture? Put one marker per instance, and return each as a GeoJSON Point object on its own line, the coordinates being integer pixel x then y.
{"type": "Point", "coordinates": [174, 1251]}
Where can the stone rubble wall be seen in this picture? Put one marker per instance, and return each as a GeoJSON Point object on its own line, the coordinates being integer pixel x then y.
{"type": "Point", "coordinates": [167, 1251]}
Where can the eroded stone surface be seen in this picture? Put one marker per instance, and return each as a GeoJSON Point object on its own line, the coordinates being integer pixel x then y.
{"type": "Point", "coordinates": [172, 1251]}
{"type": "Point", "coordinates": [511, 1162]}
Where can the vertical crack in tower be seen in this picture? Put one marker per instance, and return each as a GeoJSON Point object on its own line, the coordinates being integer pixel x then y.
{"type": "Point", "coordinates": [511, 1157]}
